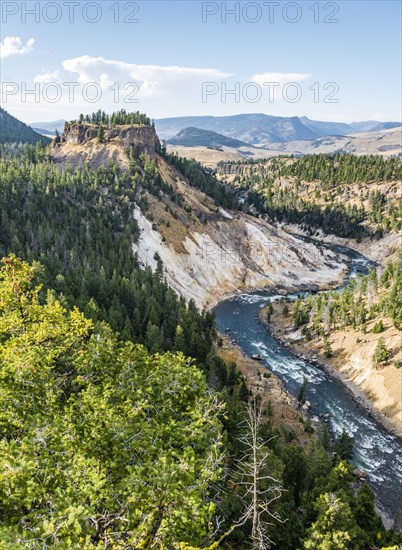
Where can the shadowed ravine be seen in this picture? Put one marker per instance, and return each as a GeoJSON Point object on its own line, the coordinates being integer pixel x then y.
{"type": "Point", "coordinates": [378, 452]}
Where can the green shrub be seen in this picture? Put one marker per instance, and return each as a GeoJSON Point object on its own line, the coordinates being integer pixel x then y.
{"type": "Point", "coordinates": [378, 327]}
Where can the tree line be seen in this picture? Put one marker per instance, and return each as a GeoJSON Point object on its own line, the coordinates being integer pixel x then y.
{"type": "Point", "coordinates": [115, 119]}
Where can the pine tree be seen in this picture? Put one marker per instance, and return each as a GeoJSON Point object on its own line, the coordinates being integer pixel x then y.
{"type": "Point", "coordinates": [101, 134]}
{"type": "Point", "coordinates": [344, 445]}
{"type": "Point", "coordinates": [327, 347]}
{"type": "Point", "coordinates": [381, 353]}
{"type": "Point", "coordinates": [378, 327]}
{"type": "Point", "coordinates": [335, 528]}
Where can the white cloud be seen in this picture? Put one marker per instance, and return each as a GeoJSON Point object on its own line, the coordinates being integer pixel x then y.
{"type": "Point", "coordinates": [12, 45]}
{"type": "Point", "coordinates": [281, 78]}
{"type": "Point", "coordinates": [154, 79]}
{"type": "Point", "coordinates": [44, 78]}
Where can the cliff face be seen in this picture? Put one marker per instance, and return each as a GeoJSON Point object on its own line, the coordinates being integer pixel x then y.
{"type": "Point", "coordinates": [235, 169]}
{"type": "Point", "coordinates": [79, 143]}
{"type": "Point", "coordinates": [207, 252]}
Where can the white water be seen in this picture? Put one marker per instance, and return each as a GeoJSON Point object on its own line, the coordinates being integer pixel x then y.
{"type": "Point", "coordinates": [378, 452]}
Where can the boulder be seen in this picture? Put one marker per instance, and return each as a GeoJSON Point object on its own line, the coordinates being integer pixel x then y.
{"type": "Point", "coordinates": [359, 473]}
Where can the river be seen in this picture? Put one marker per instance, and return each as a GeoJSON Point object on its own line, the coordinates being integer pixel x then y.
{"type": "Point", "coordinates": [376, 451]}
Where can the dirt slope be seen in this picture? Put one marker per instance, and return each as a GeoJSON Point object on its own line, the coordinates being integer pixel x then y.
{"type": "Point", "coordinates": [353, 357]}
{"type": "Point", "coordinates": [207, 252]}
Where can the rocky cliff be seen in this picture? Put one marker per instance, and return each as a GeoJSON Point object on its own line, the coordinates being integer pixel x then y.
{"type": "Point", "coordinates": [79, 143]}
{"type": "Point", "coordinates": [207, 252]}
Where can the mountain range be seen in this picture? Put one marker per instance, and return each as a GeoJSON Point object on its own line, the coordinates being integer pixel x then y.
{"type": "Point", "coordinates": [49, 128]}
{"type": "Point", "coordinates": [261, 130]}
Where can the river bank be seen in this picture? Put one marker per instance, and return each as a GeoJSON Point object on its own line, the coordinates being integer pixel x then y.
{"type": "Point", "coordinates": [286, 413]}
{"type": "Point", "coordinates": [281, 328]}
{"type": "Point", "coordinates": [287, 416]}
{"type": "Point", "coordinates": [377, 448]}
{"type": "Point", "coordinates": [284, 290]}
{"type": "Point", "coordinates": [376, 250]}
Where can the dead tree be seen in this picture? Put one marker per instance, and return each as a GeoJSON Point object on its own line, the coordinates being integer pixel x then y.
{"type": "Point", "coordinates": [260, 488]}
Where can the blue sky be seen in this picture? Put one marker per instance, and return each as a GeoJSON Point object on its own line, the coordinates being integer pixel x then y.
{"type": "Point", "coordinates": [181, 57]}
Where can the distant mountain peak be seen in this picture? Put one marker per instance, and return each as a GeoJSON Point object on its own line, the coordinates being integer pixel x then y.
{"type": "Point", "coordinates": [192, 137]}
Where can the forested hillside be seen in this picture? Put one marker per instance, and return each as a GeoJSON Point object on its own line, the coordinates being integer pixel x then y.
{"type": "Point", "coordinates": [345, 195]}
{"type": "Point", "coordinates": [203, 180]}
{"type": "Point", "coordinates": [13, 130]}
{"type": "Point", "coordinates": [79, 224]}
{"type": "Point", "coordinates": [120, 426]}
{"type": "Point", "coordinates": [366, 303]}
{"type": "Point", "coordinates": [363, 299]}
{"type": "Point", "coordinates": [105, 445]}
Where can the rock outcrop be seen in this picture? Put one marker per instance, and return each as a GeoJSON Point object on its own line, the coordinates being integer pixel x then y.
{"type": "Point", "coordinates": [79, 143]}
